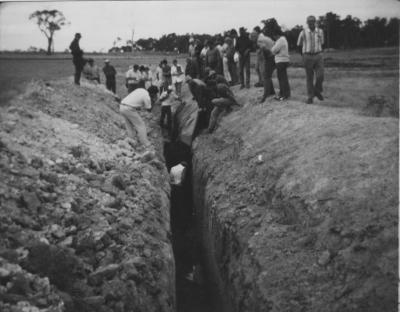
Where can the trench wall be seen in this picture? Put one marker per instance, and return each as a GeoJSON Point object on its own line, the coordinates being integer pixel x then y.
{"type": "Point", "coordinates": [84, 218]}
{"type": "Point", "coordinates": [298, 208]}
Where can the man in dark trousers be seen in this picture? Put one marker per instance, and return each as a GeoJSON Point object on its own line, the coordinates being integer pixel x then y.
{"type": "Point", "coordinates": [110, 72]}
{"type": "Point", "coordinates": [244, 46]}
{"type": "Point", "coordinates": [77, 58]}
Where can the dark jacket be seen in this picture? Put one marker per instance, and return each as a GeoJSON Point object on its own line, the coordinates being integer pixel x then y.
{"type": "Point", "coordinates": [109, 71]}
{"type": "Point", "coordinates": [243, 44]}
{"type": "Point", "coordinates": [192, 68]}
{"type": "Point", "coordinates": [75, 49]}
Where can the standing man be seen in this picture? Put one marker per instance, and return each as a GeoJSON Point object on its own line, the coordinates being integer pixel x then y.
{"type": "Point", "coordinates": [77, 58]}
{"type": "Point", "coordinates": [167, 98]}
{"type": "Point", "coordinates": [311, 41]}
{"type": "Point", "coordinates": [132, 106]}
{"type": "Point", "coordinates": [243, 46]}
{"type": "Point", "coordinates": [110, 72]}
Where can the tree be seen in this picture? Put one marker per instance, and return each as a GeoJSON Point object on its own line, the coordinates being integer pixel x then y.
{"type": "Point", "coordinates": [49, 21]}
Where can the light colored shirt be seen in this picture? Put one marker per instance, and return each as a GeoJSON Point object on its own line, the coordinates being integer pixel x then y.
{"type": "Point", "coordinates": [177, 174]}
{"type": "Point", "coordinates": [265, 42]}
{"type": "Point", "coordinates": [204, 52]}
{"type": "Point", "coordinates": [176, 76]}
{"type": "Point", "coordinates": [167, 99]}
{"type": "Point", "coordinates": [281, 50]}
{"type": "Point", "coordinates": [311, 41]}
{"type": "Point", "coordinates": [132, 76]}
{"type": "Point", "coordinates": [192, 51]}
{"type": "Point", "coordinates": [138, 98]}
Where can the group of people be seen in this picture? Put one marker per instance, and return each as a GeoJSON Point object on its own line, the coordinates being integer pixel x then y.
{"type": "Point", "coordinates": [88, 67]}
{"type": "Point", "coordinates": [210, 70]}
{"type": "Point", "coordinates": [230, 57]}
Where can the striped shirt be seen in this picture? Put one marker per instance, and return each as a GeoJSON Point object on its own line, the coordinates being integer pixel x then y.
{"type": "Point", "coordinates": [311, 41]}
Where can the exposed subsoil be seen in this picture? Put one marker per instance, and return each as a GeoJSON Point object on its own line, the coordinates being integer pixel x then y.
{"type": "Point", "coordinates": [84, 217]}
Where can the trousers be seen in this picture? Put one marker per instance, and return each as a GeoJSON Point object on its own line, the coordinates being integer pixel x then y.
{"type": "Point", "coordinates": [314, 64]}
{"type": "Point", "coordinates": [244, 65]}
{"type": "Point", "coordinates": [269, 70]}
{"type": "Point", "coordinates": [220, 104]}
{"type": "Point", "coordinates": [284, 88]}
{"type": "Point", "coordinates": [134, 124]}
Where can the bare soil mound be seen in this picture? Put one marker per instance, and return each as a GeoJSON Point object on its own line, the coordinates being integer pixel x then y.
{"type": "Point", "coordinates": [84, 217]}
{"type": "Point", "coordinates": [299, 203]}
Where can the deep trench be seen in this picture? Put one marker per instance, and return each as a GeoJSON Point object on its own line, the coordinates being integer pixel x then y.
{"type": "Point", "coordinates": [196, 290]}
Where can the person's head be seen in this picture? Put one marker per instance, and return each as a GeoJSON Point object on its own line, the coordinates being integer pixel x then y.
{"type": "Point", "coordinates": [257, 29]}
{"type": "Point", "coordinates": [169, 89]}
{"type": "Point", "coordinates": [135, 67]}
{"type": "Point", "coordinates": [191, 40]}
{"type": "Point", "coordinates": [141, 68]}
{"type": "Point", "coordinates": [153, 92]}
{"type": "Point", "coordinates": [107, 62]}
{"type": "Point", "coordinates": [90, 61]}
{"type": "Point", "coordinates": [130, 67]}
{"type": "Point", "coordinates": [210, 43]}
{"type": "Point", "coordinates": [146, 69]}
{"type": "Point", "coordinates": [165, 62]}
{"type": "Point", "coordinates": [175, 62]}
{"type": "Point", "coordinates": [277, 33]}
{"type": "Point", "coordinates": [233, 33]}
{"type": "Point", "coordinates": [78, 36]}
{"type": "Point", "coordinates": [242, 31]}
{"type": "Point", "coordinates": [311, 20]}
{"type": "Point", "coordinates": [228, 40]}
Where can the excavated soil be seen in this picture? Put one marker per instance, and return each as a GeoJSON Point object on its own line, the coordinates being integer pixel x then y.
{"type": "Point", "coordinates": [84, 219]}
{"type": "Point", "coordinates": [298, 207]}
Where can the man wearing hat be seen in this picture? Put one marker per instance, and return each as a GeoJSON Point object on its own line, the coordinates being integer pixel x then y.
{"type": "Point", "coordinates": [110, 72]}
{"type": "Point", "coordinates": [77, 58]}
{"type": "Point", "coordinates": [191, 49]}
{"type": "Point", "coordinates": [244, 46]}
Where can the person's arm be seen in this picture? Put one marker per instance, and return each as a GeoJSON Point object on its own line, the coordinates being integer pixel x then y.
{"type": "Point", "coordinates": [276, 47]}
{"type": "Point", "coordinates": [322, 38]}
{"type": "Point", "coordinates": [300, 42]}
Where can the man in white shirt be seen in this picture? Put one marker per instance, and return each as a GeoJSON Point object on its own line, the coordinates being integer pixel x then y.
{"type": "Point", "coordinates": [167, 98]}
{"type": "Point", "coordinates": [311, 41]}
{"type": "Point", "coordinates": [131, 107]}
{"type": "Point", "coordinates": [132, 78]}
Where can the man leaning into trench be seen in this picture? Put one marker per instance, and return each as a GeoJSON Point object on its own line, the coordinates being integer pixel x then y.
{"type": "Point", "coordinates": [132, 106]}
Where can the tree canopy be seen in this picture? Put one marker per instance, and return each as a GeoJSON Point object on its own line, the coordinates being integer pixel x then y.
{"type": "Point", "coordinates": [49, 21]}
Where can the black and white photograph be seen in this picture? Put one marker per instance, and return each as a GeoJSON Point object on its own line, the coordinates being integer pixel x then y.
{"type": "Point", "coordinates": [199, 156]}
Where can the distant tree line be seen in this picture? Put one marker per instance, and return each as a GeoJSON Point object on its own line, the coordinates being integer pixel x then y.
{"type": "Point", "coordinates": [349, 32]}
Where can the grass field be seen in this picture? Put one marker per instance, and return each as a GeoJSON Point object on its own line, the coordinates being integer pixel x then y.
{"type": "Point", "coordinates": [352, 77]}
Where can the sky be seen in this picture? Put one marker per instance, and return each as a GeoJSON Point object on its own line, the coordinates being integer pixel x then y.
{"type": "Point", "coordinates": [101, 22]}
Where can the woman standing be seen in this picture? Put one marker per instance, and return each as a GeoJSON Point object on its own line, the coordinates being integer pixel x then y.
{"type": "Point", "coordinates": [281, 52]}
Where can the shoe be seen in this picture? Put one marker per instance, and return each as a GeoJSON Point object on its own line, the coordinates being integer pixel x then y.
{"type": "Point", "coordinates": [263, 99]}
{"type": "Point", "coordinates": [309, 101]}
{"type": "Point", "coordinates": [277, 97]}
{"type": "Point", "coordinates": [258, 85]}
{"type": "Point", "coordinates": [319, 96]}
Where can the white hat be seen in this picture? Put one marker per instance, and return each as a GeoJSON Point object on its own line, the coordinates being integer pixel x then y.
{"type": "Point", "coordinates": [170, 88]}
{"type": "Point", "coordinates": [107, 61]}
